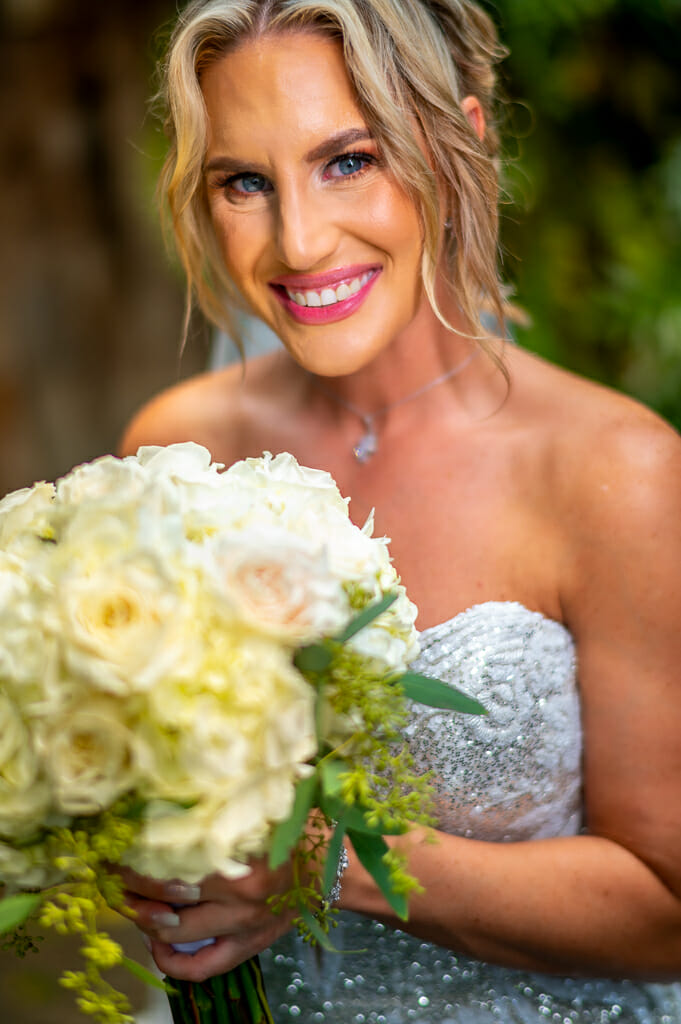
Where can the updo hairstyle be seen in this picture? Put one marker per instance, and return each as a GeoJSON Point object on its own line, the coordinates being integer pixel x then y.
{"type": "Point", "coordinates": [408, 61]}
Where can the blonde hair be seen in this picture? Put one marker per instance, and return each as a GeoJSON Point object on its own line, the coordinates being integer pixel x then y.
{"type": "Point", "coordinates": [407, 60]}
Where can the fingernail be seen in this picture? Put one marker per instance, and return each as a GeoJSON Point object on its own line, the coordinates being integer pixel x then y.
{"type": "Point", "coordinates": [180, 892]}
{"type": "Point", "coordinates": [164, 919]}
{"type": "Point", "coordinates": [146, 940]}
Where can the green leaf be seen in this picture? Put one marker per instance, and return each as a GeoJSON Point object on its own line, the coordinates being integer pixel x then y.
{"type": "Point", "coordinates": [354, 817]}
{"type": "Point", "coordinates": [437, 694]}
{"type": "Point", "coordinates": [332, 857]}
{"type": "Point", "coordinates": [313, 658]}
{"type": "Point", "coordinates": [330, 770]}
{"type": "Point", "coordinates": [144, 975]}
{"type": "Point", "coordinates": [287, 833]}
{"type": "Point", "coordinates": [367, 616]}
{"type": "Point", "coordinates": [14, 910]}
{"type": "Point", "coordinates": [371, 851]}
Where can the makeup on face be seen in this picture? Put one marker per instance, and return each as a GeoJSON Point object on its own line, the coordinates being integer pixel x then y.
{"type": "Point", "coordinates": [325, 298]}
{"type": "Point", "coordinates": [318, 236]}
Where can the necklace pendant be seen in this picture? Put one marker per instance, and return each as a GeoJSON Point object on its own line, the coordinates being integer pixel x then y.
{"type": "Point", "coordinates": [366, 446]}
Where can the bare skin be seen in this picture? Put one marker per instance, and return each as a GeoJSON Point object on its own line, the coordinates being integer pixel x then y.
{"type": "Point", "coordinates": [556, 493]}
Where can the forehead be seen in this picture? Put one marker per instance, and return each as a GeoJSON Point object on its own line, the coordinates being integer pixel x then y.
{"type": "Point", "coordinates": [279, 87]}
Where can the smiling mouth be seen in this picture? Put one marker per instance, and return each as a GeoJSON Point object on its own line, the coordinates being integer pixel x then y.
{"type": "Point", "coordinates": [315, 298]}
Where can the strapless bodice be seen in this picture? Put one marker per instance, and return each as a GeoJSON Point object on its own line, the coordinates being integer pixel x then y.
{"type": "Point", "coordinates": [512, 774]}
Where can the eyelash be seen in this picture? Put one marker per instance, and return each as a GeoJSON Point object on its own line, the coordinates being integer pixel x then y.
{"type": "Point", "coordinates": [227, 182]}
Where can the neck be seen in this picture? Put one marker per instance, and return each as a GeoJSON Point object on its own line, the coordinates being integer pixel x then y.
{"type": "Point", "coordinates": [425, 351]}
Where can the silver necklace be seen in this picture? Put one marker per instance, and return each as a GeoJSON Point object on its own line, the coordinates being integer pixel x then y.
{"type": "Point", "coordinates": [367, 446]}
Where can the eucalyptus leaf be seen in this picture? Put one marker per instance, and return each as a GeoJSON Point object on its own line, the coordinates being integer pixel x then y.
{"type": "Point", "coordinates": [371, 850]}
{"type": "Point", "coordinates": [437, 694]}
{"type": "Point", "coordinates": [14, 910]}
{"type": "Point", "coordinates": [313, 658]}
{"type": "Point", "coordinates": [366, 616]}
{"type": "Point", "coordinates": [144, 975]}
{"type": "Point", "coordinates": [287, 833]}
{"type": "Point", "coordinates": [330, 770]}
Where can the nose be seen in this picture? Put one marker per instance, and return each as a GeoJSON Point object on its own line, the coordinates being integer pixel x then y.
{"type": "Point", "coordinates": [305, 231]}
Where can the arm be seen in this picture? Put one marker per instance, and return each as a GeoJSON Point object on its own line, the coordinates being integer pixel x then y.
{"type": "Point", "coordinates": [608, 903]}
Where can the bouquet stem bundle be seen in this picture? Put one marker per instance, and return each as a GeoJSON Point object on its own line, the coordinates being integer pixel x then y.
{"type": "Point", "coordinates": [237, 997]}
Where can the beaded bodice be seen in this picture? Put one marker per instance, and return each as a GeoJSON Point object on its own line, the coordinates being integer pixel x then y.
{"type": "Point", "coordinates": [511, 775]}
{"type": "Point", "coordinates": [514, 773]}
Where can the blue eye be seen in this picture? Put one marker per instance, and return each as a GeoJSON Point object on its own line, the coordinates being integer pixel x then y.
{"type": "Point", "coordinates": [250, 183]}
{"type": "Point", "coordinates": [348, 165]}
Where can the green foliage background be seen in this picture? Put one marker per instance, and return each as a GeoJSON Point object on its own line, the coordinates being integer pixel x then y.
{"type": "Point", "coordinates": [591, 226]}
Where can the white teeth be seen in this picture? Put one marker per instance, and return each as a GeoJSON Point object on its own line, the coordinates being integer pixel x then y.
{"type": "Point", "coordinates": [329, 296]}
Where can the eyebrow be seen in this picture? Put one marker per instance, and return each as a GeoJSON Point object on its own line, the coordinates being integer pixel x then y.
{"type": "Point", "coordinates": [330, 147]}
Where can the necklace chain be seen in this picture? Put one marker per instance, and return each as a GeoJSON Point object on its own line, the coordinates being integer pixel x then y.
{"type": "Point", "coordinates": [367, 446]}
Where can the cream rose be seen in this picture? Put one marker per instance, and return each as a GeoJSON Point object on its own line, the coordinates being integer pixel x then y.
{"type": "Point", "coordinates": [247, 709]}
{"type": "Point", "coordinates": [25, 518]}
{"type": "Point", "coordinates": [125, 626]}
{"type": "Point", "coordinates": [108, 477]}
{"type": "Point", "coordinates": [277, 585]}
{"type": "Point", "coordinates": [24, 796]}
{"type": "Point", "coordinates": [89, 756]}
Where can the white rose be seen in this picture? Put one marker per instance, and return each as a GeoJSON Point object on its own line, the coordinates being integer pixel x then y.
{"type": "Point", "coordinates": [125, 625]}
{"type": "Point", "coordinates": [89, 756]}
{"type": "Point", "coordinates": [276, 584]}
{"type": "Point", "coordinates": [107, 477]}
{"type": "Point", "coordinates": [27, 653]}
{"type": "Point", "coordinates": [247, 710]}
{"type": "Point", "coordinates": [391, 638]}
{"type": "Point", "coordinates": [174, 843]}
{"type": "Point", "coordinates": [208, 501]}
{"type": "Point", "coordinates": [186, 461]}
{"type": "Point", "coordinates": [26, 868]}
{"type": "Point", "coordinates": [25, 517]}
{"type": "Point", "coordinates": [286, 488]}
{"type": "Point", "coordinates": [24, 796]}
{"type": "Point", "coordinates": [219, 834]}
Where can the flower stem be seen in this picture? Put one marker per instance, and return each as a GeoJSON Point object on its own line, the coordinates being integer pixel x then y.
{"type": "Point", "coordinates": [237, 997]}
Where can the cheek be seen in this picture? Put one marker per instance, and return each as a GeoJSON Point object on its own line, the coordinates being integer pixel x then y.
{"type": "Point", "coordinates": [238, 241]}
{"type": "Point", "coordinates": [395, 221]}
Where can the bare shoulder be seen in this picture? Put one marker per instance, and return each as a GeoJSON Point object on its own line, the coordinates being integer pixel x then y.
{"type": "Point", "coordinates": [213, 409]}
{"type": "Point", "coordinates": [604, 447]}
{"type": "Point", "coordinates": [622, 461]}
{"type": "Point", "coordinates": [612, 487]}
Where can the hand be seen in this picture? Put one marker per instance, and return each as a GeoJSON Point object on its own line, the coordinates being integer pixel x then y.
{"type": "Point", "coordinates": [233, 912]}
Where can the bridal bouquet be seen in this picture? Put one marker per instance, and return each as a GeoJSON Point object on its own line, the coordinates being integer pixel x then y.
{"type": "Point", "coordinates": [193, 661]}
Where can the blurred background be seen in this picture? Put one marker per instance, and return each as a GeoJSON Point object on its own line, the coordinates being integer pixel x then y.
{"type": "Point", "coordinates": [91, 306]}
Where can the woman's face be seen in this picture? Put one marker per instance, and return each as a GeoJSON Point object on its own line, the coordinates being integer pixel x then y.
{"type": "Point", "coordinates": [317, 235]}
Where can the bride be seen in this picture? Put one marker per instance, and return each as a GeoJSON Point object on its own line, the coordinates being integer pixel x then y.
{"type": "Point", "coordinates": [332, 170]}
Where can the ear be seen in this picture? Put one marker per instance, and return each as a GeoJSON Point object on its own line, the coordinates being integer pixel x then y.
{"type": "Point", "coordinates": [472, 108]}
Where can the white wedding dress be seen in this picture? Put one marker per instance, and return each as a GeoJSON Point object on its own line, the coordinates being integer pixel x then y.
{"type": "Point", "coordinates": [514, 774]}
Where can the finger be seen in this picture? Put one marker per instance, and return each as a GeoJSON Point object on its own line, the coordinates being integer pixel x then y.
{"type": "Point", "coordinates": [212, 920]}
{"type": "Point", "coordinates": [225, 954]}
{"type": "Point", "coordinates": [150, 915]}
{"type": "Point", "coordinates": [164, 891]}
